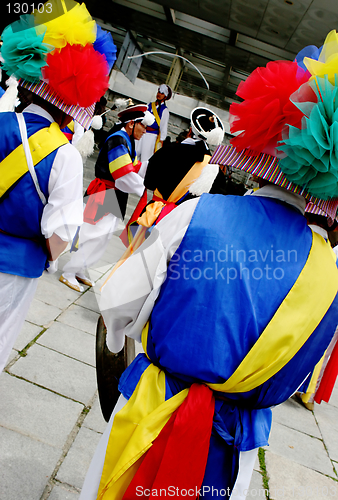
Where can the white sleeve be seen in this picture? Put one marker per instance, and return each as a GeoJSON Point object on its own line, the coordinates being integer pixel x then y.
{"type": "Point", "coordinates": [164, 124]}
{"type": "Point", "coordinates": [143, 169]}
{"type": "Point", "coordinates": [130, 183]}
{"type": "Point", "coordinates": [78, 132]}
{"type": "Point", "coordinates": [128, 297]}
{"type": "Point", "coordinates": [64, 210]}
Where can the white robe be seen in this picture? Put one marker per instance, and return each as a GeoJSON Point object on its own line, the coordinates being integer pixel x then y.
{"type": "Point", "coordinates": [94, 238]}
{"type": "Point", "coordinates": [145, 147]}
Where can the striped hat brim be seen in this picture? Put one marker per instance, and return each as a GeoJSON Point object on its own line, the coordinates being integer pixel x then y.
{"type": "Point", "coordinates": [82, 115]}
{"type": "Point", "coordinates": [267, 167]}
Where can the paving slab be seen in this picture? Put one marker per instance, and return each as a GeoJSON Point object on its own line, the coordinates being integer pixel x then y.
{"type": "Point", "coordinates": [295, 446]}
{"type": "Point", "coordinates": [97, 288]}
{"type": "Point", "coordinates": [94, 275]}
{"type": "Point", "coordinates": [94, 420]}
{"type": "Point", "coordinates": [42, 314]}
{"type": "Point", "coordinates": [256, 488]}
{"type": "Point", "coordinates": [81, 318]}
{"type": "Point", "coordinates": [89, 301]}
{"type": "Point", "coordinates": [114, 249]}
{"type": "Point", "coordinates": [57, 372]}
{"type": "Point", "coordinates": [77, 461]}
{"type": "Point", "coordinates": [60, 492]}
{"type": "Point", "coordinates": [70, 341]}
{"type": "Point", "coordinates": [334, 396]}
{"type": "Point", "coordinates": [55, 293]}
{"type": "Point", "coordinates": [26, 335]}
{"type": "Point", "coordinates": [50, 278]}
{"type": "Point", "coordinates": [327, 418]}
{"type": "Point", "coordinates": [12, 355]}
{"type": "Point", "coordinates": [101, 266]}
{"type": "Point", "coordinates": [35, 412]}
{"type": "Point", "coordinates": [294, 415]}
{"type": "Point", "coordinates": [257, 467]}
{"type": "Point", "coordinates": [288, 480]}
{"type": "Point", "coordinates": [25, 466]}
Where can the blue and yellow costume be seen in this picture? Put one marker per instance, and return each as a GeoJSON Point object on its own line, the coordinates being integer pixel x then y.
{"type": "Point", "coordinates": [22, 246]}
{"type": "Point", "coordinates": [155, 127]}
{"type": "Point", "coordinates": [199, 337]}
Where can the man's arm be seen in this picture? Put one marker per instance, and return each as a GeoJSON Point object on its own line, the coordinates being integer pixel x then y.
{"type": "Point", "coordinates": [128, 296]}
{"type": "Point", "coordinates": [122, 168]}
{"type": "Point", "coordinates": [64, 211]}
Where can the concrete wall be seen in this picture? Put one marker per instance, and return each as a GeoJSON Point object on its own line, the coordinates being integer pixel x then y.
{"type": "Point", "coordinates": [143, 91]}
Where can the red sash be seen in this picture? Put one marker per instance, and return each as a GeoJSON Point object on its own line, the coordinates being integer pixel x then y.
{"type": "Point", "coordinates": [329, 378]}
{"type": "Point", "coordinates": [178, 457]}
{"type": "Point", "coordinates": [97, 192]}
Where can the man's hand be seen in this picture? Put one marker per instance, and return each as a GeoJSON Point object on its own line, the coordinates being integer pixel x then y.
{"type": "Point", "coordinates": [55, 246]}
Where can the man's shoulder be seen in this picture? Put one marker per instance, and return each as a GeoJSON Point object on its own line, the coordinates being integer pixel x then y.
{"type": "Point", "coordinates": [7, 118]}
{"type": "Point", "coordinates": [69, 155]}
{"type": "Point", "coordinates": [117, 138]}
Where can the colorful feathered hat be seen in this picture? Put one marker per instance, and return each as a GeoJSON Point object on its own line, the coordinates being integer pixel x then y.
{"type": "Point", "coordinates": [287, 125]}
{"type": "Point", "coordinates": [62, 55]}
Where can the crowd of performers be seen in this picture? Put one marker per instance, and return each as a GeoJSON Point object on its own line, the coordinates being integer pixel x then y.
{"type": "Point", "coordinates": [234, 298]}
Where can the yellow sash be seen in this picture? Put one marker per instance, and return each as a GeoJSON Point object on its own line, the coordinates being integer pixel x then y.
{"type": "Point", "coordinates": [147, 411]}
{"type": "Point", "coordinates": [155, 113]}
{"type": "Point", "coordinates": [313, 381]}
{"type": "Point", "coordinates": [294, 321]}
{"type": "Point", "coordinates": [154, 209]}
{"type": "Point", "coordinates": [71, 126]}
{"type": "Point", "coordinates": [41, 144]}
{"type": "Point", "coordinates": [135, 427]}
{"type": "Point", "coordinates": [158, 121]}
{"type": "Point", "coordinates": [291, 325]}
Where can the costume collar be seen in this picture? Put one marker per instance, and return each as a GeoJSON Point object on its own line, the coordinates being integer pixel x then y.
{"type": "Point", "coordinates": [319, 230]}
{"type": "Point", "coordinates": [37, 110]}
{"type": "Point", "coordinates": [271, 191]}
{"type": "Point", "coordinates": [192, 140]}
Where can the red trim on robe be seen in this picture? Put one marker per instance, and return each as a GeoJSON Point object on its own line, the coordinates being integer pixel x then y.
{"type": "Point", "coordinates": [120, 172]}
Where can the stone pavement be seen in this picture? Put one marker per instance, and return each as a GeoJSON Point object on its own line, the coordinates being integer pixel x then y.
{"type": "Point", "coordinates": [50, 419]}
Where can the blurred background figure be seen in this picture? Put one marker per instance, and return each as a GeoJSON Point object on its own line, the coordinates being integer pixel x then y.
{"type": "Point", "coordinates": [117, 172]}
{"type": "Point", "coordinates": [157, 132]}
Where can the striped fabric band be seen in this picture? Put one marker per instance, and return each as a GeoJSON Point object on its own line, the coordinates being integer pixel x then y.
{"type": "Point", "coordinates": [267, 167]}
{"type": "Point", "coordinates": [83, 116]}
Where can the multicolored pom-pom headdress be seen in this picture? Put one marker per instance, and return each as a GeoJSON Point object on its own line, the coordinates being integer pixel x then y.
{"type": "Point", "coordinates": [287, 125]}
{"type": "Point", "coordinates": [60, 54]}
